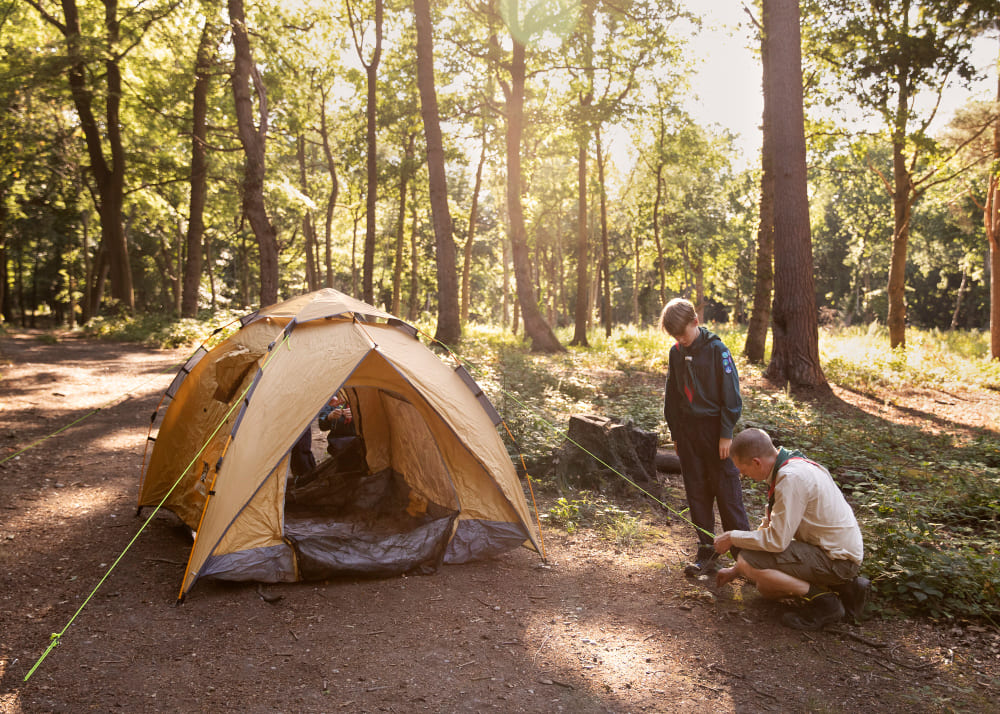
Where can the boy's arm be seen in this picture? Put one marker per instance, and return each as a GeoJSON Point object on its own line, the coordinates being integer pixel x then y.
{"type": "Point", "coordinates": [671, 394]}
{"type": "Point", "coordinates": [732, 404]}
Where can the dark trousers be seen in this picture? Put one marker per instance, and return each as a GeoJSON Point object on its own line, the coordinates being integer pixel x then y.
{"type": "Point", "coordinates": [708, 480]}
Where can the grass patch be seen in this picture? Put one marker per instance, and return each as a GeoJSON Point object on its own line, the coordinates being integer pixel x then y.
{"type": "Point", "coordinates": [928, 501]}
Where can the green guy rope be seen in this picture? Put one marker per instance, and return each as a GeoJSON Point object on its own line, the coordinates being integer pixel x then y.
{"type": "Point", "coordinates": [55, 637]}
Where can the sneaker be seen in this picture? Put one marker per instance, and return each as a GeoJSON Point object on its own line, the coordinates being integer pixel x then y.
{"type": "Point", "coordinates": [822, 610]}
{"type": "Point", "coordinates": [854, 596]}
{"type": "Point", "coordinates": [706, 563]}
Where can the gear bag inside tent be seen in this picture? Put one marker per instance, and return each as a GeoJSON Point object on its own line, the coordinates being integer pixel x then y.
{"type": "Point", "coordinates": [414, 476]}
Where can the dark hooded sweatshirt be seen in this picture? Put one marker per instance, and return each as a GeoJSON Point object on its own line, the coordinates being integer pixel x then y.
{"type": "Point", "coordinates": [702, 382]}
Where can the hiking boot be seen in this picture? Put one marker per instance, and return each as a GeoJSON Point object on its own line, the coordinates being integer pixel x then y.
{"type": "Point", "coordinates": [815, 614]}
{"type": "Point", "coordinates": [854, 595]}
{"type": "Point", "coordinates": [706, 563]}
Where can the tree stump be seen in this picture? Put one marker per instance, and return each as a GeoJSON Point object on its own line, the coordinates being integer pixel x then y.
{"type": "Point", "coordinates": [599, 449]}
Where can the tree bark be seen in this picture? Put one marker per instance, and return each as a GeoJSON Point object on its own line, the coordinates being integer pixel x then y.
{"type": "Point", "coordinates": [199, 170]}
{"type": "Point", "coordinates": [109, 178]}
{"type": "Point", "coordinates": [334, 191]}
{"type": "Point", "coordinates": [582, 248]}
{"type": "Point", "coordinates": [991, 219]}
{"type": "Point", "coordinates": [902, 205]}
{"type": "Point", "coordinates": [371, 194]}
{"type": "Point", "coordinates": [397, 264]}
{"type": "Point", "coordinates": [467, 252]}
{"type": "Point", "coordinates": [795, 353]}
{"type": "Point", "coordinates": [308, 228]}
{"type": "Point", "coordinates": [760, 316]}
{"type": "Point", "coordinates": [253, 140]}
{"type": "Point", "coordinates": [605, 256]}
{"type": "Point", "coordinates": [535, 328]}
{"type": "Point", "coordinates": [449, 325]}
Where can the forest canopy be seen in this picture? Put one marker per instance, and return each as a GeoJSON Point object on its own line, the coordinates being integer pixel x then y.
{"type": "Point", "coordinates": [182, 158]}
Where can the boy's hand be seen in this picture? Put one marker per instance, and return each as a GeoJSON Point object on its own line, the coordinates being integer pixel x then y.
{"type": "Point", "coordinates": [724, 445]}
{"type": "Point", "coordinates": [723, 542]}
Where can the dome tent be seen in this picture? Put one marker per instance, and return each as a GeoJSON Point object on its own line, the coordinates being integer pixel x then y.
{"type": "Point", "coordinates": [436, 483]}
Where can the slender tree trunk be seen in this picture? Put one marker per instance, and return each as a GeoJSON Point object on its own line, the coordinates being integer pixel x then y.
{"type": "Point", "coordinates": [582, 248]}
{"type": "Point", "coordinates": [760, 314]}
{"type": "Point", "coordinates": [901, 210]}
{"type": "Point", "coordinates": [334, 191]}
{"type": "Point", "coordinates": [449, 324]}
{"type": "Point", "coordinates": [397, 265]}
{"type": "Point", "coordinates": [253, 140]}
{"type": "Point", "coordinates": [795, 353]}
{"type": "Point", "coordinates": [535, 329]}
{"type": "Point", "coordinates": [371, 195]}
{"type": "Point", "coordinates": [414, 308]}
{"type": "Point", "coordinates": [199, 169]}
{"type": "Point", "coordinates": [661, 268]}
{"type": "Point", "coordinates": [605, 248]}
{"type": "Point", "coordinates": [991, 218]}
{"type": "Point", "coordinates": [308, 231]}
{"type": "Point", "coordinates": [467, 252]}
{"type": "Point", "coordinates": [109, 178]}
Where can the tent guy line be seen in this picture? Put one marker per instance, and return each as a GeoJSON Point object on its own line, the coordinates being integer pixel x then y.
{"type": "Point", "coordinates": [55, 637]}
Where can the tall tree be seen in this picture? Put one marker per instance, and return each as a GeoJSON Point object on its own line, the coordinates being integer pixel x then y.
{"type": "Point", "coordinates": [370, 64]}
{"type": "Point", "coordinates": [991, 220]}
{"type": "Point", "coordinates": [795, 350]}
{"type": "Point", "coordinates": [253, 138]}
{"type": "Point", "coordinates": [886, 53]}
{"type": "Point", "coordinates": [104, 135]}
{"type": "Point", "coordinates": [760, 314]}
{"type": "Point", "coordinates": [207, 46]}
{"type": "Point", "coordinates": [535, 328]}
{"type": "Point", "coordinates": [449, 325]}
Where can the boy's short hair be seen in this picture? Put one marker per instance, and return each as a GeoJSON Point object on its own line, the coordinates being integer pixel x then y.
{"type": "Point", "coordinates": [677, 315]}
{"type": "Point", "coordinates": [751, 444]}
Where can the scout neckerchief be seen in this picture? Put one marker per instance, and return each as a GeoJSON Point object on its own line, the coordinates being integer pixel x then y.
{"type": "Point", "coordinates": [686, 380]}
{"type": "Point", "coordinates": [784, 456]}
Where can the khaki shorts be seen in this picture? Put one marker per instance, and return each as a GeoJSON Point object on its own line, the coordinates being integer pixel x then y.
{"type": "Point", "coordinates": [803, 561]}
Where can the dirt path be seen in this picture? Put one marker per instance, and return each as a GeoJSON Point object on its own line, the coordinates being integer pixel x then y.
{"type": "Point", "coordinates": [593, 629]}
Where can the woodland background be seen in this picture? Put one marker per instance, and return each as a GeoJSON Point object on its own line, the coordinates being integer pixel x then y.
{"type": "Point", "coordinates": [502, 162]}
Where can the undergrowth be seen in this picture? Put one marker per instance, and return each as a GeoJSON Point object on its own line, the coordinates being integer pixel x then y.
{"type": "Point", "coordinates": [928, 502]}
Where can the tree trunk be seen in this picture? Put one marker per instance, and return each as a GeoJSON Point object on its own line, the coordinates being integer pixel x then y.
{"type": "Point", "coordinates": [371, 194]}
{"type": "Point", "coordinates": [334, 191]}
{"type": "Point", "coordinates": [901, 209]}
{"type": "Point", "coordinates": [308, 230]}
{"type": "Point", "coordinates": [449, 326]}
{"type": "Point", "coordinates": [795, 353]}
{"type": "Point", "coordinates": [991, 218]}
{"type": "Point", "coordinates": [253, 140]}
{"type": "Point", "coordinates": [535, 329]}
{"type": "Point", "coordinates": [199, 170]}
{"type": "Point", "coordinates": [397, 265]}
{"type": "Point", "coordinates": [582, 251]}
{"type": "Point", "coordinates": [661, 268]}
{"type": "Point", "coordinates": [760, 316]}
{"type": "Point", "coordinates": [109, 179]}
{"type": "Point", "coordinates": [414, 307]}
{"type": "Point", "coordinates": [467, 252]}
{"type": "Point", "coordinates": [605, 256]}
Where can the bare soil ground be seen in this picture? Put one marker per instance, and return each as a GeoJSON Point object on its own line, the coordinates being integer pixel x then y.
{"type": "Point", "coordinates": [591, 628]}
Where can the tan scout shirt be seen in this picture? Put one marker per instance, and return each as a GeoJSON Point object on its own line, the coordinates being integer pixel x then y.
{"type": "Point", "coordinates": [809, 507]}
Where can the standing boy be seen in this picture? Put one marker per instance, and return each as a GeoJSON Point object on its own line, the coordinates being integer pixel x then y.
{"type": "Point", "coordinates": [701, 406]}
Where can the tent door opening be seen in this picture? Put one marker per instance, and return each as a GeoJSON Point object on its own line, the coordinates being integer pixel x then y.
{"type": "Point", "coordinates": [363, 494]}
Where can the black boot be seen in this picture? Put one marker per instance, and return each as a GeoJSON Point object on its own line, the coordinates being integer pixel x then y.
{"type": "Point", "coordinates": [706, 563]}
{"type": "Point", "coordinates": [817, 612]}
{"type": "Point", "coordinates": [854, 595]}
